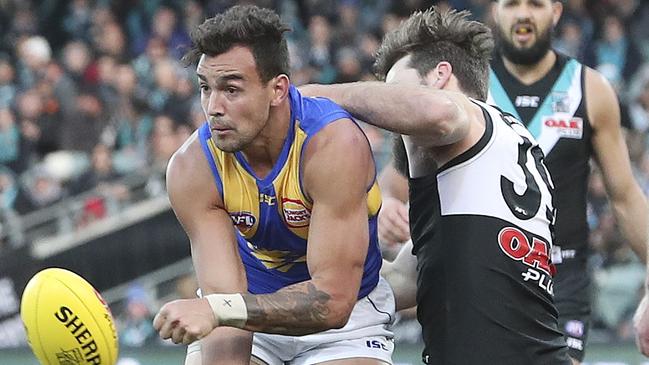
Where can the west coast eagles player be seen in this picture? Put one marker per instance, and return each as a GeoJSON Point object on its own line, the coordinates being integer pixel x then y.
{"type": "Point", "coordinates": [296, 176]}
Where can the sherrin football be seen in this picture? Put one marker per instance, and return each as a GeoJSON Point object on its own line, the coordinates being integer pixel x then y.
{"type": "Point", "coordinates": [67, 321]}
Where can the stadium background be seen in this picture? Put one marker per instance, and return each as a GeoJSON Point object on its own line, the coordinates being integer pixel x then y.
{"type": "Point", "coordinates": [94, 100]}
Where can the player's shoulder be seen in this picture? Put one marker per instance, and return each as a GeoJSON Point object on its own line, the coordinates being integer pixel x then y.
{"type": "Point", "coordinates": [341, 134]}
{"type": "Point", "coordinates": [339, 146]}
{"type": "Point", "coordinates": [595, 79]}
{"type": "Point", "coordinates": [317, 107]}
{"type": "Point", "coordinates": [186, 156]}
{"type": "Point", "coordinates": [188, 165]}
{"type": "Point", "coordinates": [315, 112]}
{"type": "Point", "coordinates": [601, 99]}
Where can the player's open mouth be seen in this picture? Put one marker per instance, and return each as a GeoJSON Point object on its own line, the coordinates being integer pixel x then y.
{"type": "Point", "coordinates": [523, 32]}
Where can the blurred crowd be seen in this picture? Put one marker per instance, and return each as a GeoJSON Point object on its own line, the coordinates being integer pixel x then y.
{"type": "Point", "coordinates": [93, 92]}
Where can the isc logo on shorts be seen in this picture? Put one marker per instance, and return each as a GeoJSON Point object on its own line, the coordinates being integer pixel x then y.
{"type": "Point", "coordinates": [376, 344]}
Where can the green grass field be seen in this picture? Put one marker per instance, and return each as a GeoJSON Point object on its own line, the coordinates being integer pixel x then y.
{"type": "Point", "coordinates": [601, 354]}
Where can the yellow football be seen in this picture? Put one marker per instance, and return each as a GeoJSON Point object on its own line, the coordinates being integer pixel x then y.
{"type": "Point", "coordinates": [67, 321]}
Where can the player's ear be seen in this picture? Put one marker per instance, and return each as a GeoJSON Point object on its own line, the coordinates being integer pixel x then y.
{"type": "Point", "coordinates": [280, 85]}
{"type": "Point", "coordinates": [440, 75]}
{"type": "Point", "coordinates": [557, 9]}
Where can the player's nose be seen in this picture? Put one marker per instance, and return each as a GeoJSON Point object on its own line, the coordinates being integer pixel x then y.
{"type": "Point", "coordinates": [215, 106]}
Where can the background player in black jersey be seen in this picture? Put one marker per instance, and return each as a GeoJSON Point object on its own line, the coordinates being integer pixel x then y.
{"type": "Point", "coordinates": [481, 223]}
{"type": "Point", "coordinates": [573, 112]}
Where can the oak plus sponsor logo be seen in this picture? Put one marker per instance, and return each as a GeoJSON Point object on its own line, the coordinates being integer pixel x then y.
{"type": "Point", "coordinates": [565, 127]}
{"type": "Point", "coordinates": [296, 214]}
{"type": "Point", "coordinates": [534, 253]}
{"type": "Point", "coordinates": [243, 220]}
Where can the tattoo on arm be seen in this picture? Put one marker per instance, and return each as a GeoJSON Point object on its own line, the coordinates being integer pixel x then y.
{"type": "Point", "coordinates": [298, 309]}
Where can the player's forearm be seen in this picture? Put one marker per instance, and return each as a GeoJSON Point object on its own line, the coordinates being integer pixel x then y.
{"type": "Point", "coordinates": [298, 309]}
{"type": "Point", "coordinates": [403, 109]}
{"type": "Point", "coordinates": [632, 215]}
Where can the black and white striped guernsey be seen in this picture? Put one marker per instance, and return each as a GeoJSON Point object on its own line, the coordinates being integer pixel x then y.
{"type": "Point", "coordinates": [482, 231]}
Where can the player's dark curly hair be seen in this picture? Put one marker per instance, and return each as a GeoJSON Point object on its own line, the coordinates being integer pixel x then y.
{"type": "Point", "coordinates": [257, 28]}
{"type": "Point", "coordinates": [433, 36]}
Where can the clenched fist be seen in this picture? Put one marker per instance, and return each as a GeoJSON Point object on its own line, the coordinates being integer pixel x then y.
{"type": "Point", "coordinates": [185, 321]}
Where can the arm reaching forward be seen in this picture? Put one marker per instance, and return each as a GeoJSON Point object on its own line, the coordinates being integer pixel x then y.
{"type": "Point", "coordinates": [337, 247]}
{"type": "Point", "coordinates": [218, 267]}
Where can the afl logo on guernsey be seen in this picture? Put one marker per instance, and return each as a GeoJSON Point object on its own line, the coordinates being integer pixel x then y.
{"type": "Point", "coordinates": [296, 214]}
{"type": "Point", "coordinates": [243, 220]}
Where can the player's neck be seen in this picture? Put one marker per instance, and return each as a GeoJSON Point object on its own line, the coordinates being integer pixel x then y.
{"type": "Point", "coordinates": [263, 152]}
{"type": "Point", "coordinates": [529, 74]}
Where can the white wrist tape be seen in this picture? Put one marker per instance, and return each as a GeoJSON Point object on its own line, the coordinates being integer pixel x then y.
{"type": "Point", "coordinates": [229, 309]}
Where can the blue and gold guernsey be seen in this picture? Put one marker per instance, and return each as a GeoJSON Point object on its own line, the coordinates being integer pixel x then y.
{"type": "Point", "coordinates": [272, 214]}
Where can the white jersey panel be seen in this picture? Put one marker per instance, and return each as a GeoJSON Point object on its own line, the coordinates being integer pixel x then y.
{"type": "Point", "coordinates": [473, 187]}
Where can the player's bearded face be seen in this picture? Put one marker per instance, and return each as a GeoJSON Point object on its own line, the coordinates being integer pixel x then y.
{"type": "Point", "coordinates": [523, 36]}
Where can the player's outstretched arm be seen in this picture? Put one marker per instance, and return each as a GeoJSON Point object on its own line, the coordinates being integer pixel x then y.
{"type": "Point", "coordinates": [338, 169]}
{"type": "Point", "coordinates": [433, 117]}
{"type": "Point", "coordinates": [218, 267]}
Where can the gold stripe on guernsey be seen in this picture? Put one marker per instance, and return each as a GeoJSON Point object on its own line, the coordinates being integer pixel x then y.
{"type": "Point", "coordinates": [293, 206]}
{"type": "Point", "coordinates": [276, 259]}
{"type": "Point", "coordinates": [240, 194]}
{"type": "Point", "coordinates": [374, 200]}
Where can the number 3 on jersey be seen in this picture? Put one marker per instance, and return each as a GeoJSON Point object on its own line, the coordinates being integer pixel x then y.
{"type": "Point", "coordinates": [526, 205]}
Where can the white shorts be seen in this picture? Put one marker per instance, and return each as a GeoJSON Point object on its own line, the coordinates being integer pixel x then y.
{"type": "Point", "coordinates": [367, 334]}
